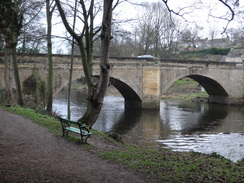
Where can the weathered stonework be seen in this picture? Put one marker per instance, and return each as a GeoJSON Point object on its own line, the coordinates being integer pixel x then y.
{"type": "Point", "coordinates": [235, 55]}
{"type": "Point", "coordinates": [142, 82]}
{"type": "Point", "coordinates": [151, 87]}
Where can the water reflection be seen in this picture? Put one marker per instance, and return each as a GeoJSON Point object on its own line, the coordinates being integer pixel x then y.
{"type": "Point", "coordinates": [180, 126]}
{"type": "Point", "coordinates": [204, 128]}
{"type": "Point", "coordinates": [146, 130]}
{"type": "Point", "coordinates": [192, 117]}
{"type": "Point", "coordinates": [127, 121]}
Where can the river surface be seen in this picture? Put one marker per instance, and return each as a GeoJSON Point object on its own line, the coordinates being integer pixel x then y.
{"type": "Point", "coordinates": [198, 127]}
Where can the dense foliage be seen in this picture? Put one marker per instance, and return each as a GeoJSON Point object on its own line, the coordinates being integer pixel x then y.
{"type": "Point", "coordinates": [211, 51]}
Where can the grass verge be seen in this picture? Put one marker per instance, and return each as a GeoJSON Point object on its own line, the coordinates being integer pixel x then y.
{"type": "Point", "coordinates": [170, 166]}
{"type": "Point", "coordinates": [51, 123]}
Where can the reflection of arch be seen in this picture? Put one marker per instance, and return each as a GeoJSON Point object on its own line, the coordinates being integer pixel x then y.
{"type": "Point", "coordinates": [132, 100]}
{"type": "Point", "coordinates": [202, 117]}
{"type": "Point", "coordinates": [212, 118]}
{"type": "Point", "coordinates": [127, 121]}
{"type": "Point", "coordinates": [211, 86]}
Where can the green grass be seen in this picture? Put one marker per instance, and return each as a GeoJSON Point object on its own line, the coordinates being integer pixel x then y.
{"type": "Point", "coordinates": [186, 89]}
{"type": "Point", "coordinates": [51, 123]}
{"type": "Point", "coordinates": [171, 166]}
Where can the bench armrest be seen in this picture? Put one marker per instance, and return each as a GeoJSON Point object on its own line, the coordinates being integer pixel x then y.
{"type": "Point", "coordinates": [87, 128]}
{"type": "Point", "coordinates": [69, 122]}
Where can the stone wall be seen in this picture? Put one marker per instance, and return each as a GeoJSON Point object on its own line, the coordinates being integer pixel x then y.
{"type": "Point", "coordinates": [235, 55]}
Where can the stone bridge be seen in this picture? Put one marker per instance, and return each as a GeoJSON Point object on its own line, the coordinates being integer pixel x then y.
{"type": "Point", "coordinates": [142, 81]}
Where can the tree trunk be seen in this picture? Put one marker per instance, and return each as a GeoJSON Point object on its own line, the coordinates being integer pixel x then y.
{"type": "Point", "coordinates": [50, 59]}
{"type": "Point", "coordinates": [11, 32]}
{"type": "Point", "coordinates": [95, 102]}
{"type": "Point", "coordinates": [97, 92]}
{"type": "Point", "coordinates": [70, 81]}
{"type": "Point", "coordinates": [8, 74]}
{"type": "Point", "coordinates": [16, 72]}
{"type": "Point", "coordinates": [71, 67]}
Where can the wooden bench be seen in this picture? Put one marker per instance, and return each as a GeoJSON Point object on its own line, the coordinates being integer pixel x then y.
{"type": "Point", "coordinates": [68, 126]}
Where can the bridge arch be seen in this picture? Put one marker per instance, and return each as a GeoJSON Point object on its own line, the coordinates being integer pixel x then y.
{"type": "Point", "coordinates": [132, 100]}
{"type": "Point", "coordinates": [211, 86]}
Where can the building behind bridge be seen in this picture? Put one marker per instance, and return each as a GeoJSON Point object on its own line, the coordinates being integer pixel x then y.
{"type": "Point", "coordinates": [205, 44]}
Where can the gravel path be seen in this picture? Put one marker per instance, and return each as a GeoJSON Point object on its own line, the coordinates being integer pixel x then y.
{"type": "Point", "coordinates": [29, 153]}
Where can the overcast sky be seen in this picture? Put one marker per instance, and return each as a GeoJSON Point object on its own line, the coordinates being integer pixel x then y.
{"type": "Point", "coordinates": [200, 15]}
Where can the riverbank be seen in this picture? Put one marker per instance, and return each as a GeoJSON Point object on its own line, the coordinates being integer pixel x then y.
{"type": "Point", "coordinates": [32, 150]}
{"type": "Point", "coordinates": [141, 164]}
{"type": "Point", "coordinates": [186, 89]}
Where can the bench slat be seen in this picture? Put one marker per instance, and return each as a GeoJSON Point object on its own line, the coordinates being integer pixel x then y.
{"type": "Point", "coordinates": [85, 133]}
{"type": "Point", "coordinates": [73, 129]}
{"type": "Point", "coordinates": [77, 130]}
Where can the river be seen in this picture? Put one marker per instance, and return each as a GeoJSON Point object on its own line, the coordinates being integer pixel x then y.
{"type": "Point", "coordinates": [198, 127]}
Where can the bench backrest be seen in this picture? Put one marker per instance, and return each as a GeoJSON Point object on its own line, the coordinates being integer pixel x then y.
{"type": "Point", "coordinates": [69, 121]}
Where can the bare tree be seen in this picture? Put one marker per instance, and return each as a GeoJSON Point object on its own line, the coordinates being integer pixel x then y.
{"type": "Point", "coordinates": [71, 65]}
{"type": "Point", "coordinates": [190, 35]}
{"type": "Point", "coordinates": [11, 24]}
{"type": "Point", "coordinates": [85, 37]}
{"type": "Point", "coordinates": [50, 6]}
{"type": "Point", "coordinates": [31, 38]}
{"type": "Point", "coordinates": [237, 36]}
{"type": "Point", "coordinates": [212, 32]}
{"type": "Point", "coordinates": [122, 44]}
{"type": "Point", "coordinates": [157, 30]}
{"type": "Point", "coordinates": [14, 16]}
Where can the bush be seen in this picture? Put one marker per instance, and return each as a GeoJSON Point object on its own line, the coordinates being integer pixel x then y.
{"type": "Point", "coordinates": [219, 51]}
{"type": "Point", "coordinates": [211, 51]}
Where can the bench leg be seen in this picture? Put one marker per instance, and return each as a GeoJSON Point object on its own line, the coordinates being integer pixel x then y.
{"type": "Point", "coordinates": [84, 139]}
{"type": "Point", "coordinates": [65, 132]}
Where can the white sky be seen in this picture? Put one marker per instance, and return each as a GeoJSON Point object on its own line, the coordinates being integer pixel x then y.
{"type": "Point", "coordinates": [200, 14]}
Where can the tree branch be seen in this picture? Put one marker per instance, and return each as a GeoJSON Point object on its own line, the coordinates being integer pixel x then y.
{"type": "Point", "coordinates": [232, 15]}
{"type": "Point", "coordinates": [65, 22]}
{"type": "Point", "coordinates": [224, 2]}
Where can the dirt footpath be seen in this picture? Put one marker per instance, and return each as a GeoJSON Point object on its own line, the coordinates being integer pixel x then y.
{"type": "Point", "coordinates": [29, 153]}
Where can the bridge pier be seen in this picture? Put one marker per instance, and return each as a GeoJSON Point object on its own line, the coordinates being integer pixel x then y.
{"type": "Point", "coordinates": [133, 104]}
{"type": "Point", "coordinates": [151, 88]}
